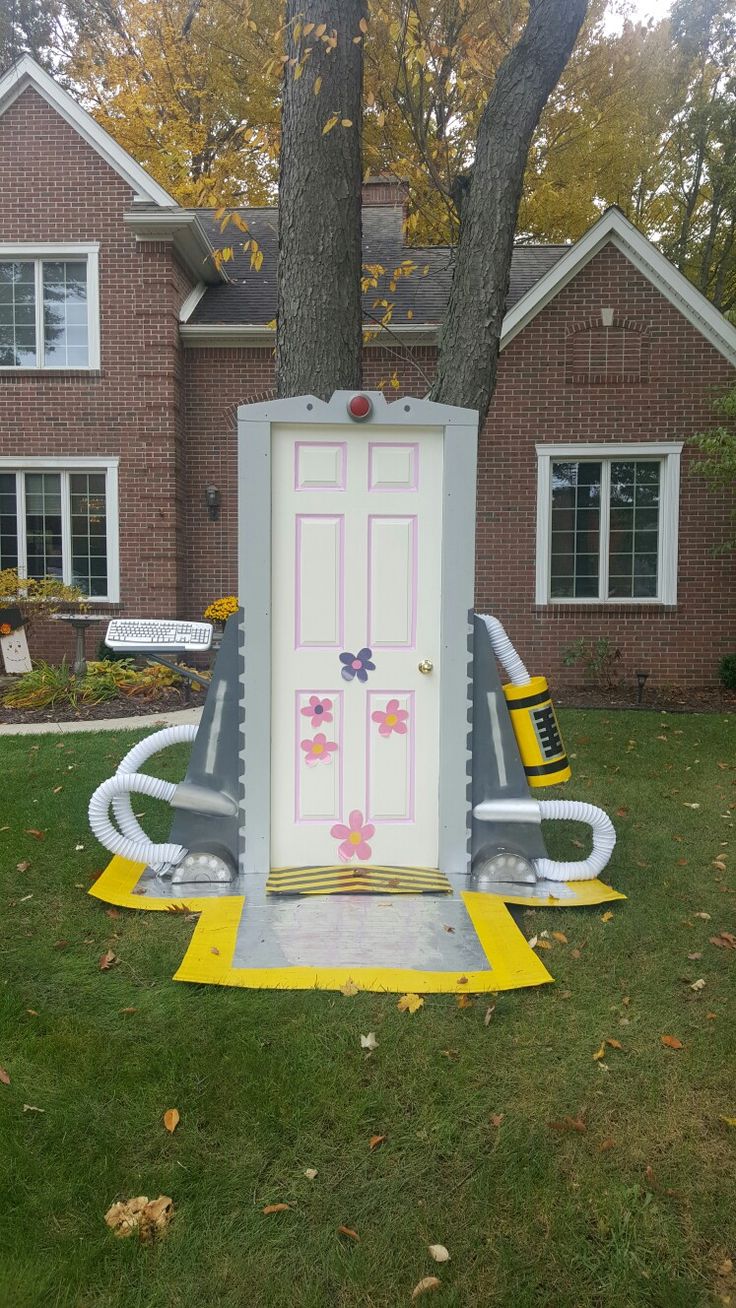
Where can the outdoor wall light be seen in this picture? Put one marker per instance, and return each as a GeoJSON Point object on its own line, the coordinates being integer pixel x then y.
{"type": "Point", "coordinates": [213, 500]}
{"type": "Point", "coordinates": [641, 681]}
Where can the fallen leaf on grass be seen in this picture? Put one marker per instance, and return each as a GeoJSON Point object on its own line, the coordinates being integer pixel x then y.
{"type": "Point", "coordinates": [694, 957]}
{"type": "Point", "coordinates": [4, 1076]}
{"type": "Point", "coordinates": [37, 835]}
{"type": "Point", "coordinates": [349, 1232]}
{"type": "Point", "coordinates": [569, 1124]}
{"type": "Point", "coordinates": [369, 1041]}
{"type": "Point", "coordinates": [489, 1014]}
{"type": "Point", "coordinates": [56, 790]}
{"type": "Point", "coordinates": [542, 944]}
{"type": "Point", "coordinates": [310, 1173]}
{"type": "Point", "coordinates": [349, 989]}
{"type": "Point", "coordinates": [705, 916]}
{"type": "Point", "coordinates": [410, 1003]}
{"type": "Point", "coordinates": [439, 1253]}
{"type": "Point", "coordinates": [724, 940]}
{"type": "Point", "coordinates": [496, 1119]}
{"type": "Point", "coordinates": [725, 1268]}
{"type": "Point", "coordinates": [711, 1017]}
{"type": "Point", "coordinates": [375, 1141]}
{"type": "Point", "coordinates": [463, 1001]}
{"type": "Point", "coordinates": [107, 961]}
{"type": "Point", "coordinates": [60, 944]}
{"type": "Point", "coordinates": [607, 917]}
{"type": "Point", "coordinates": [32, 1012]}
{"type": "Point", "coordinates": [605, 1145]}
{"type": "Point", "coordinates": [128, 1010]}
{"type": "Point", "coordinates": [149, 1218]}
{"type": "Point", "coordinates": [23, 866]}
{"type": "Point", "coordinates": [698, 985]}
{"type": "Point", "coordinates": [171, 1119]}
{"type": "Point", "coordinates": [31, 1108]}
{"type": "Point", "coordinates": [690, 805]}
{"type": "Point", "coordinates": [111, 912]}
{"type": "Point", "coordinates": [426, 1283]}
{"type": "Point", "coordinates": [671, 1042]}
{"type": "Point", "coordinates": [614, 1044]}
{"type": "Point", "coordinates": [730, 1121]}
{"type": "Point", "coordinates": [599, 1053]}
{"type": "Point", "coordinates": [275, 1208]}
{"type": "Point", "coordinates": [560, 937]}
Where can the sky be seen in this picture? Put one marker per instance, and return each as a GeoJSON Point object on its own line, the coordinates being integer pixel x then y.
{"type": "Point", "coordinates": [642, 10]}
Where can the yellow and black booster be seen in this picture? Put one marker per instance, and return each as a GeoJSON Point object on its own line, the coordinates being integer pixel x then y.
{"type": "Point", "coordinates": [537, 732]}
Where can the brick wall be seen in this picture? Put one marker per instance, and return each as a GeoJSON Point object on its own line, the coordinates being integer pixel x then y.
{"type": "Point", "coordinates": [170, 417]}
{"type": "Point", "coordinates": [55, 188]}
{"type": "Point", "coordinates": [534, 403]}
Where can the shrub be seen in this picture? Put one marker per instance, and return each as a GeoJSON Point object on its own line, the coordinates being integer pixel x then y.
{"type": "Point", "coordinates": [727, 671]}
{"type": "Point", "coordinates": [598, 657]}
{"type": "Point", "coordinates": [47, 685]}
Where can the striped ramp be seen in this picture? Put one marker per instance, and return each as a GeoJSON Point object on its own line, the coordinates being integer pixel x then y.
{"type": "Point", "coordinates": [345, 880]}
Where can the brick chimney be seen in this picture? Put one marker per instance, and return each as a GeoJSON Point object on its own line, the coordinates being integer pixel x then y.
{"type": "Point", "coordinates": [386, 190]}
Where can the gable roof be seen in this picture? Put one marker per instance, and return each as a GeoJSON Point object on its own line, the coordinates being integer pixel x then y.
{"type": "Point", "coordinates": [615, 229]}
{"type": "Point", "coordinates": [26, 72]}
{"type": "Point", "coordinates": [248, 299]}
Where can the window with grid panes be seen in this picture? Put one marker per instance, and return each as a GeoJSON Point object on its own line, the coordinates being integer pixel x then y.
{"type": "Point", "coordinates": [56, 523]}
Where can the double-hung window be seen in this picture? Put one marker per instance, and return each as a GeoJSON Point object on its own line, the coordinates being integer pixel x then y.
{"type": "Point", "coordinates": [49, 312]}
{"type": "Point", "coordinates": [607, 523]}
{"type": "Point", "coordinates": [59, 518]}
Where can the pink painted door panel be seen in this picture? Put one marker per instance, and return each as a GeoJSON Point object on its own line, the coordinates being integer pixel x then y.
{"type": "Point", "coordinates": [356, 554]}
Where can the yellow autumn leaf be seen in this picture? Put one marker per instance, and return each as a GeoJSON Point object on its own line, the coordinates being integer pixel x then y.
{"type": "Point", "coordinates": [599, 1053]}
{"type": "Point", "coordinates": [607, 917]}
{"type": "Point", "coordinates": [317, 85]}
{"type": "Point", "coordinates": [363, 26]}
{"type": "Point", "coordinates": [275, 1208]}
{"type": "Point", "coordinates": [331, 122]}
{"type": "Point", "coordinates": [346, 122]}
{"type": "Point", "coordinates": [560, 937]}
{"type": "Point", "coordinates": [320, 29]}
{"type": "Point", "coordinates": [730, 1121]}
{"type": "Point", "coordinates": [271, 325]}
{"type": "Point", "coordinates": [349, 989]}
{"type": "Point", "coordinates": [171, 1119]}
{"type": "Point", "coordinates": [409, 1003]}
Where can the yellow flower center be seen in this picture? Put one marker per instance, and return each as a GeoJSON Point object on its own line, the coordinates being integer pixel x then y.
{"type": "Point", "coordinates": [317, 749]}
{"type": "Point", "coordinates": [354, 838]}
{"type": "Point", "coordinates": [391, 719]}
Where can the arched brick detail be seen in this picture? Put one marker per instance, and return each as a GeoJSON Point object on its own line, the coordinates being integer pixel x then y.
{"type": "Point", "coordinates": [607, 355]}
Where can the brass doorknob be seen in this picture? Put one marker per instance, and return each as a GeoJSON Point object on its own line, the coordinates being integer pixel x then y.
{"type": "Point", "coordinates": [426, 666]}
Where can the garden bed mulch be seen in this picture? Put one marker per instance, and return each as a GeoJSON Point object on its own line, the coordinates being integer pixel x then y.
{"type": "Point", "coordinates": [124, 707]}
{"type": "Point", "coordinates": [663, 699]}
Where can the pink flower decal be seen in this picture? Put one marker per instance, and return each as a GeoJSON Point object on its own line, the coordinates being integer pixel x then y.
{"type": "Point", "coordinates": [354, 837]}
{"type": "Point", "coordinates": [392, 719]}
{"type": "Point", "coordinates": [318, 710]}
{"type": "Point", "coordinates": [318, 750]}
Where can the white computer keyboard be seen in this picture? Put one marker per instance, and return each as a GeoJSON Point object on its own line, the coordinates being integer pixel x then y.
{"type": "Point", "coordinates": [158, 634]}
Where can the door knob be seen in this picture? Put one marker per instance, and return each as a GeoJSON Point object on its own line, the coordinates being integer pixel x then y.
{"type": "Point", "coordinates": [426, 666]}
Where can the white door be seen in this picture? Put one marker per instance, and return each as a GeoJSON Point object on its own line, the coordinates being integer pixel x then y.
{"type": "Point", "coordinates": [356, 558]}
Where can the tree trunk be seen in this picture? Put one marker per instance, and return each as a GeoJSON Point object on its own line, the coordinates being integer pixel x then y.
{"type": "Point", "coordinates": [319, 336]}
{"type": "Point", "coordinates": [468, 353]}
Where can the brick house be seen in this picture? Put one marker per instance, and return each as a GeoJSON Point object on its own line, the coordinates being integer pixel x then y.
{"type": "Point", "coordinates": [124, 353]}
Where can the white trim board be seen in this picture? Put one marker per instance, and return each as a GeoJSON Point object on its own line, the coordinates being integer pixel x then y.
{"type": "Point", "coordinates": [668, 453]}
{"type": "Point", "coordinates": [76, 463]}
{"type": "Point", "coordinates": [37, 251]}
{"type": "Point", "coordinates": [26, 72]}
{"type": "Point", "coordinates": [615, 229]}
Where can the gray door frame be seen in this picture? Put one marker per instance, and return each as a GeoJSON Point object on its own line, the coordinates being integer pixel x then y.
{"type": "Point", "coordinates": [459, 428]}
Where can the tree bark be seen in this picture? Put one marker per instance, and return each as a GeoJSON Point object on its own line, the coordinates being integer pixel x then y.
{"type": "Point", "coordinates": [468, 352]}
{"type": "Point", "coordinates": [319, 329]}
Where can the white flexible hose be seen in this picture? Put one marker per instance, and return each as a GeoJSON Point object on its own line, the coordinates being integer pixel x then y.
{"type": "Point", "coordinates": [504, 651]}
{"type": "Point", "coordinates": [604, 839]}
{"type": "Point", "coordinates": [133, 761]}
{"type": "Point", "coordinates": [138, 851]}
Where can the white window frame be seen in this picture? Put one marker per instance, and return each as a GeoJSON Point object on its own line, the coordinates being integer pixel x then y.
{"type": "Point", "coordinates": [37, 252]}
{"type": "Point", "coordinates": [65, 466]}
{"type": "Point", "coordinates": [668, 455]}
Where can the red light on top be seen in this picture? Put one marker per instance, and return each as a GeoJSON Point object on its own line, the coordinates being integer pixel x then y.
{"type": "Point", "coordinates": [360, 407]}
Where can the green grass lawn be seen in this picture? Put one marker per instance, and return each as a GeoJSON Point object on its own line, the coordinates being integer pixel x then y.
{"type": "Point", "coordinates": [640, 1208]}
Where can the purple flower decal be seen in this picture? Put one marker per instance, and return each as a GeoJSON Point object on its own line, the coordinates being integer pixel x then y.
{"type": "Point", "coordinates": [357, 665]}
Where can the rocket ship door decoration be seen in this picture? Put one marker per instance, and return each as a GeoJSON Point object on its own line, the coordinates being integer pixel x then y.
{"type": "Point", "coordinates": [358, 813]}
